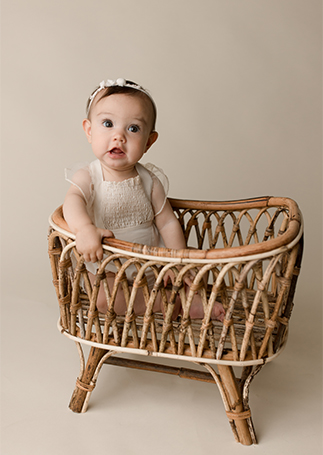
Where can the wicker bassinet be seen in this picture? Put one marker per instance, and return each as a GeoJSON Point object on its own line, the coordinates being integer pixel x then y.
{"type": "Point", "coordinates": [249, 251]}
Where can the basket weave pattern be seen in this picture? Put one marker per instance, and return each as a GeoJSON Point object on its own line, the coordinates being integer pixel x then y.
{"type": "Point", "coordinates": [249, 254]}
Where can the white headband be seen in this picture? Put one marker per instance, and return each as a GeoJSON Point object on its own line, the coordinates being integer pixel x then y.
{"type": "Point", "coordinates": [118, 82]}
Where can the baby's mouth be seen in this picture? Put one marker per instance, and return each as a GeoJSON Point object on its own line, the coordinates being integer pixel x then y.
{"type": "Point", "coordinates": [116, 152]}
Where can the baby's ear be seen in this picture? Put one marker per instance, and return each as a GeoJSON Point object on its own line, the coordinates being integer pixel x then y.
{"type": "Point", "coordinates": [87, 129]}
{"type": "Point", "coordinates": [152, 138]}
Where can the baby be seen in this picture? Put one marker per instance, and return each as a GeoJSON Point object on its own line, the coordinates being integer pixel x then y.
{"type": "Point", "coordinates": [117, 196]}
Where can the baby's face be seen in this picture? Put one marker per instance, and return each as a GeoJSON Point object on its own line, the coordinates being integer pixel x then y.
{"type": "Point", "coordinates": [119, 131]}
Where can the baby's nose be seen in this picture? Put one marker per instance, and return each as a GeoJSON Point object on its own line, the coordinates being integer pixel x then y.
{"type": "Point", "coordinates": [119, 135]}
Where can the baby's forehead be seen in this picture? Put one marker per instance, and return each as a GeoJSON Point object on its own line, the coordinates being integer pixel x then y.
{"type": "Point", "coordinates": [139, 102]}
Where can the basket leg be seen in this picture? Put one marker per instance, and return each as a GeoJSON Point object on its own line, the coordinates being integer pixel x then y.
{"type": "Point", "coordinates": [83, 385]}
{"type": "Point", "coordinates": [237, 415]}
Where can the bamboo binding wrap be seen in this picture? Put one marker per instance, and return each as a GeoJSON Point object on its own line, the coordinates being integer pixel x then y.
{"type": "Point", "coordinates": [249, 250]}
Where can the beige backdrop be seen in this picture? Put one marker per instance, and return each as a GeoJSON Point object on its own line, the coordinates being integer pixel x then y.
{"type": "Point", "coordinates": [237, 84]}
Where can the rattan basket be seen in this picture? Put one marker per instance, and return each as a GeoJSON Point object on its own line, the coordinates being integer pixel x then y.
{"type": "Point", "coordinates": [249, 252]}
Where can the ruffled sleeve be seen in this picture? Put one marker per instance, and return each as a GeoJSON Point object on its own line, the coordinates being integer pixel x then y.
{"type": "Point", "coordinates": [80, 176]}
{"type": "Point", "coordinates": [160, 187]}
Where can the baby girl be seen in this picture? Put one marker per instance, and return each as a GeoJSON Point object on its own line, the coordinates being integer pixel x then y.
{"type": "Point", "coordinates": [117, 196]}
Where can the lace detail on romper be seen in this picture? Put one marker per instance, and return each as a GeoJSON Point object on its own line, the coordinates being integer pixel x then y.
{"type": "Point", "coordinates": [126, 204]}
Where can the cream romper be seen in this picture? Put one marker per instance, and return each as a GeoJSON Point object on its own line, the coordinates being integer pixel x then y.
{"type": "Point", "coordinates": [124, 207]}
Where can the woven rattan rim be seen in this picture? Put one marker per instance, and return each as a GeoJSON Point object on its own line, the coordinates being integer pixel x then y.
{"type": "Point", "coordinates": [289, 237]}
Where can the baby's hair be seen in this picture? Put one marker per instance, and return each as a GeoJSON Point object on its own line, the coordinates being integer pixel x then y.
{"type": "Point", "coordinates": [122, 87]}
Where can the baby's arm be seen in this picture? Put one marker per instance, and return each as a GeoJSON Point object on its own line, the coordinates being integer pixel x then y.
{"type": "Point", "coordinates": [166, 221]}
{"type": "Point", "coordinates": [88, 236]}
{"type": "Point", "coordinates": [169, 228]}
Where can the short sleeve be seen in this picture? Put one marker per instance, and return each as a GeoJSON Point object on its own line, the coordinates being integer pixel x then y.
{"type": "Point", "coordinates": [80, 176]}
{"type": "Point", "coordinates": [160, 187]}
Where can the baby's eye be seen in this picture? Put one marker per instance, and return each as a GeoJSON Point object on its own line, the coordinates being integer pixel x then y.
{"type": "Point", "coordinates": [107, 123]}
{"type": "Point", "coordinates": [134, 128]}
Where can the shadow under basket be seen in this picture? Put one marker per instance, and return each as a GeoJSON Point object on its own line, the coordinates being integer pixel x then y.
{"type": "Point", "coordinates": [244, 254]}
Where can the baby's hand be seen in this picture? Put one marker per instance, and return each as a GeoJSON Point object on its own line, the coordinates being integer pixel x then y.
{"type": "Point", "coordinates": [89, 242]}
